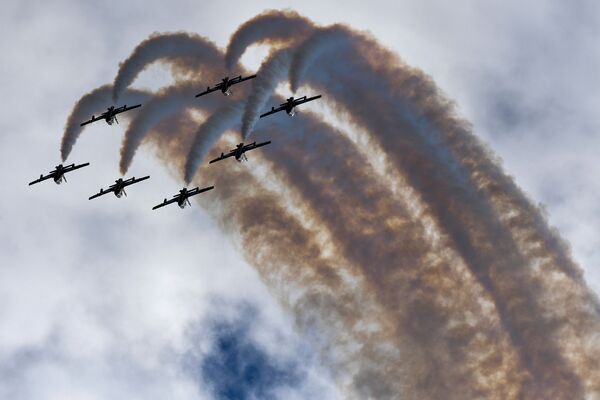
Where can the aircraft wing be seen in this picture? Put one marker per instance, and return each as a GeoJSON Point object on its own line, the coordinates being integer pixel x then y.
{"type": "Point", "coordinates": [167, 202]}
{"type": "Point", "coordinates": [253, 146]}
{"type": "Point", "coordinates": [43, 178]}
{"type": "Point", "coordinates": [133, 180]}
{"type": "Point", "coordinates": [223, 156]}
{"type": "Point", "coordinates": [306, 100]}
{"type": "Point", "coordinates": [273, 111]}
{"type": "Point", "coordinates": [125, 108]}
{"type": "Point", "coordinates": [208, 90]}
{"type": "Point", "coordinates": [196, 191]}
{"type": "Point", "coordinates": [94, 119]}
{"type": "Point", "coordinates": [102, 192]}
{"type": "Point", "coordinates": [177, 197]}
{"type": "Point", "coordinates": [240, 79]}
{"type": "Point", "coordinates": [73, 167]}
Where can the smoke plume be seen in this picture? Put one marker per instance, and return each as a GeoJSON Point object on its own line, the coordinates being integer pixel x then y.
{"type": "Point", "coordinates": [432, 132]}
{"type": "Point", "coordinates": [272, 27]}
{"type": "Point", "coordinates": [166, 103]}
{"type": "Point", "coordinates": [181, 45]}
{"type": "Point", "coordinates": [461, 291]}
{"type": "Point", "coordinates": [95, 102]}
{"type": "Point", "coordinates": [271, 72]}
{"type": "Point", "coordinates": [208, 134]}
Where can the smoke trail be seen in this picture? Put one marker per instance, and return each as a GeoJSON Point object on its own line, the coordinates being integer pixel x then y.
{"type": "Point", "coordinates": [320, 298]}
{"type": "Point", "coordinates": [325, 154]}
{"type": "Point", "coordinates": [205, 56]}
{"type": "Point", "coordinates": [561, 291]}
{"type": "Point", "coordinates": [271, 26]}
{"type": "Point", "coordinates": [94, 102]}
{"type": "Point", "coordinates": [162, 46]}
{"type": "Point", "coordinates": [321, 41]}
{"type": "Point", "coordinates": [208, 134]}
{"type": "Point", "coordinates": [406, 275]}
{"type": "Point", "coordinates": [274, 243]}
{"type": "Point", "coordinates": [495, 329]}
{"type": "Point", "coordinates": [374, 362]}
{"type": "Point", "coordinates": [420, 154]}
{"type": "Point", "coordinates": [271, 72]}
{"type": "Point", "coordinates": [167, 102]}
{"type": "Point", "coordinates": [506, 277]}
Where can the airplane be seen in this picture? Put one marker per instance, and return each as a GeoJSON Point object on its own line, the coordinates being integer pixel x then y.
{"type": "Point", "coordinates": [59, 173]}
{"type": "Point", "coordinates": [239, 151]}
{"type": "Point", "coordinates": [289, 105]}
{"type": "Point", "coordinates": [119, 187]}
{"type": "Point", "coordinates": [110, 115]}
{"type": "Point", "coordinates": [182, 198]}
{"type": "Point", "coordinates": [225, 84]}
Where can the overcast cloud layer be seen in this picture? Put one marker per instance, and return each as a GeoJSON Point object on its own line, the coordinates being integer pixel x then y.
{"type": "Point", "coordinates": [107, 299]}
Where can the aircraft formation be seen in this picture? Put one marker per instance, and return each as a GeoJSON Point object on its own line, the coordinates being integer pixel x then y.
{"type": "Point", "coordinates": [181, 198]}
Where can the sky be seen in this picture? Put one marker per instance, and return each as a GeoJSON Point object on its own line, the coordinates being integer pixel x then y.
{"type": "Point", "coordinates": [107, 299]}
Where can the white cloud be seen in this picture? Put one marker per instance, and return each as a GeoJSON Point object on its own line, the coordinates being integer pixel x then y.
{"type": "Point", "coordinates": [96, 297]}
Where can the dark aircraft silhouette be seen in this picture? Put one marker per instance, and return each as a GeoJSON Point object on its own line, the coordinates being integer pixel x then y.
{"type": "Point", "coordinates": [59, 173]}
{"type": "Point", "coordinates": [119, 187]}
{"type": "Point", "coordinates": [110, 115]}
{"type": "Point", "coordinates": [289, 105]}
{"type": "Point", "coordinates": [225, 84]}
{"type": "Point", "coordinates": [239, 151]}
{"type": "Point", "coordinates": [182, 198]}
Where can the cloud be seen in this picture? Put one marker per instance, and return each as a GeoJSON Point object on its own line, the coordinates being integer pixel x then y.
{"type": "Point", "coordinates": [79, 277]}
{"type": "Point", "coordinates": [236, 366]}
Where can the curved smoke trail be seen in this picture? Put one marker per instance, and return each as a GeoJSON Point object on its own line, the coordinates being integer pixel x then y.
{"type": "Point", "coordinates": [299, 149]}
{"type": "Point", "coordinates": [159, 47]}
{"type": "Point", "coordinates": [475, 318]}
{"type": "Point", "coordinates": [208, 134]}
{"type": "Point", "coordinates": [381, 353]}
{"type": "Point", "coordinates": [365, 90]}
{"type": "Point", "coordinates": [388, 248]}
{"type": "Point", "coordinates": [171, 99]}
{"type": "Point", "coordinates": [319, 43]}
{"type": "Point", "coordinates": [164, 104]}
{"type": "Point", "coordinates": [270, 74]}
{"type": "Point", "coordinates": [513, 282]}
{"type": "Point", "coordinates": [279, 247]}
{"type": "Point", "coordinates": [272, 26]}
{"type": "Point", "coordinates": [94, 102]}
{"type": "Point", "coordinates": [325, 154]}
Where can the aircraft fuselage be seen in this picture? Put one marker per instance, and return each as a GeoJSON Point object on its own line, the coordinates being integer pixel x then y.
{"type": "Point", "coordinates": [119, 190]}
{"type": "Point", "coordinates": [239, 153]}
{"type": "Point", "coordinates": [289, 107]}
{"type": "Point", "coordinates": [225, 87]}
{"type": "Point", "coordinates": [59, 177]}
{"type": "Point", "coordinates": [183, 202]}
{"type": "Point", "coordinates": [110, 116]}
